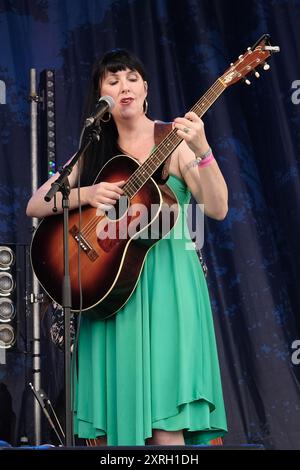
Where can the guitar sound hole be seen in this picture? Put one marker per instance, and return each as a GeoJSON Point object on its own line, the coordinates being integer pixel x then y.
{"type": "Point", "coordinates": [119, 209]}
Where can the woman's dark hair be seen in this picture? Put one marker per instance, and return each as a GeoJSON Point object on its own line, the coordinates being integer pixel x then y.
{"type": "Point", "coordinates": [100, 152]}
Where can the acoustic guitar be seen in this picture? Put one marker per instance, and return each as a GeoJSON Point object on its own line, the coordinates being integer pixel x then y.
{"type": "Point", "coordinates": [113, 246]}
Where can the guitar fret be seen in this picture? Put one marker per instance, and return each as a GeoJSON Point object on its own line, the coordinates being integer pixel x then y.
{"type": "Point", "coordinates": [144, 176]}
{"type": "Point", "coordinates": [128, 192]}
{"type": "Point", "coordinates": [210, 96]}
{"type": "Point", "coordinates": [135, 184]}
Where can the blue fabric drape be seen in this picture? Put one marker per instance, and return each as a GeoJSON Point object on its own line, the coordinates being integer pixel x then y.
{"type": "Point", "coordinates": [253, 255]}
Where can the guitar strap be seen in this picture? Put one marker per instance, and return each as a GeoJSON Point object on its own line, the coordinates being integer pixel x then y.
{"type": "Point", "coordinates": [161, 129]}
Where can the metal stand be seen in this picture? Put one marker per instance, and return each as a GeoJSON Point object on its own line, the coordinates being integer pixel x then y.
{"type": "Point", "coordinates": [62, 185]}
{"type": "Point", "coordinates": [35, 285]}
{"type": "Point", "coordinates": [46, 407]}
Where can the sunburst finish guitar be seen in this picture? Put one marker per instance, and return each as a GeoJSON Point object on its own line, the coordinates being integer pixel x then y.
{"type": "Point", "coordinates": [113, 246]}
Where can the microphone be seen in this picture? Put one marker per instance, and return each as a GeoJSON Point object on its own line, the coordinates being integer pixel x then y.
{"type": "Point", "coordinates": [105, 103]}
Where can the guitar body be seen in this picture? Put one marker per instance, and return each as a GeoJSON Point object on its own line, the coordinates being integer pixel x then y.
{"type": "Point", "coordinates": [113, 247]}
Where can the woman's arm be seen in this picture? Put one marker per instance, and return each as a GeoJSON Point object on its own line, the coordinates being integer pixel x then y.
{"type": "Point", "coordinates": [205, 183]}
{"type": "Point", "coordinates": [102, 196]}
{"type": "Point", "coordinates": [38, 207]}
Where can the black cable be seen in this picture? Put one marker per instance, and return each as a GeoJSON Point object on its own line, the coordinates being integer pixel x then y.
{"type": "Point", "coordinates": [78, 319]}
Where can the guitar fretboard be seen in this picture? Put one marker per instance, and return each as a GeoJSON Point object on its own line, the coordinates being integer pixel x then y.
{"type": "Point", "coordinates": [169, 143]}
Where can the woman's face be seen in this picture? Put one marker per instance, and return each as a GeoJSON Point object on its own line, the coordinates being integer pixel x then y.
{"type": "Point", "coordinates": [128, 89]}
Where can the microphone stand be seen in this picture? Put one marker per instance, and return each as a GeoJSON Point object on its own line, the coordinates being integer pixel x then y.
{"type": "Point", "coordinates": [62, 184]}
{"type": "Point", "coordinates": [44, 401]}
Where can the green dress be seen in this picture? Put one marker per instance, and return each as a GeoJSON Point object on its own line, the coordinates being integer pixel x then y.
{"type": "Point", "coordinates": [154, 365]}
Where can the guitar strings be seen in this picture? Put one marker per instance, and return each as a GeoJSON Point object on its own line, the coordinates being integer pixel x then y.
{"type": "Point", "coordinates": [207, 96]}
{"type": "Point", "coordinates": [199, 107]}
{"type": "Point", "coordinates": [147, 165]}
{"type": "Point", "coordinates": [210, 96]}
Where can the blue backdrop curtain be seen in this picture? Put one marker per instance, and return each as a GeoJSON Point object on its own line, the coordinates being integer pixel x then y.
{"type": "Point", "coordinates": [252, 255]}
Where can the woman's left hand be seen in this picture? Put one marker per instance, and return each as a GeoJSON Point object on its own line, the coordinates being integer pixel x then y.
{"type": "Point", "coordinates": [191, 129]}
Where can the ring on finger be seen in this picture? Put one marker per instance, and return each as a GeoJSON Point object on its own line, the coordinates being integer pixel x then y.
{"type": "Point", "coordinates": [186, 130]}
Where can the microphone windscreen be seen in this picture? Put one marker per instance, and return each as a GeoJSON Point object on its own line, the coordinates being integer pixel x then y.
{"type": "Point", "coordinates": [109, 100]}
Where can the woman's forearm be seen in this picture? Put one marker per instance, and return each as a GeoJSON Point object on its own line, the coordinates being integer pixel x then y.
{"type": "Point", "coordinates": [38, 207]}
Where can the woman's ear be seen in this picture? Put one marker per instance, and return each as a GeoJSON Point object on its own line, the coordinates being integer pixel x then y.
{"type": "Point", "coordinates": [146, 86]}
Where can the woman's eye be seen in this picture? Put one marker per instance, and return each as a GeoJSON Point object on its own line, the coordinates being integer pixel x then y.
{"type": "Point", "coordinates": [113, 83]}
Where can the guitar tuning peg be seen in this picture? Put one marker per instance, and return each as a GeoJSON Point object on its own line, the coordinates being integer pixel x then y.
{"type": "Point", "coordinates": [266, 66]}
{"type": "Point", "coordinates": [231, 65]}
{"type": "Point", "coordinates": [247, 81]}
{"type": "Point", "coordinates": [240, 56]}
{"type": "Point", "coordinates": [256, 74]}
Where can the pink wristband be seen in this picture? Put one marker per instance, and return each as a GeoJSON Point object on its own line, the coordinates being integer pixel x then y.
{"type": "Point", "coordinates": [206, 161]}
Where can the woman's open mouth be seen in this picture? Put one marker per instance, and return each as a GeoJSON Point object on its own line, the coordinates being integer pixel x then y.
{"type": "Point", "coordinates": [126, 101]}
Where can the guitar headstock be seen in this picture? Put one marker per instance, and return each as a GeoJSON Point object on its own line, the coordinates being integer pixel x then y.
{"type": "Point", "coordinates": [247, 63]}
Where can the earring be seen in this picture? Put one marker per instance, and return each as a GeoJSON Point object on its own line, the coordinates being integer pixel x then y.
{"type": "Point", "coordinates": [108, 117]}
{"type": "Point", "coordinates": [145, 106]}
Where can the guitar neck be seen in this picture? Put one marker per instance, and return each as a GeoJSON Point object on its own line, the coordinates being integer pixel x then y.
{"type": "Point", "coordinates": [170, 142]}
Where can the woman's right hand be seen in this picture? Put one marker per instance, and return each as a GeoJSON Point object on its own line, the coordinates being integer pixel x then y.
{"type": "Point", "coordinates": [104, 195]}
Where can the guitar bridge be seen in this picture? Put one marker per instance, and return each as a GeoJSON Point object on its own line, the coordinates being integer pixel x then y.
{"type": "Point", "coordinates": [83, 243]}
